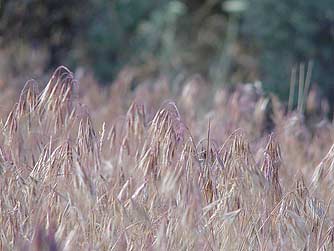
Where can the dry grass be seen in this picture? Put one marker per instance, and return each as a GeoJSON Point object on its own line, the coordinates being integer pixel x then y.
{"type": "Point", "coordinates": [104, 178]}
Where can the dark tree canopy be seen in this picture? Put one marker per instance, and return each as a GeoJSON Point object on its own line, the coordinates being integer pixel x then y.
{"type": "Point", "coordinates": [179, 35]}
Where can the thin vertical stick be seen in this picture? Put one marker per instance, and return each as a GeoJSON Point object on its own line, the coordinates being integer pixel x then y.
{"type": "Point", "coordinates": [208, 147]}
{"type": "Point", "coordinates": [292, 88]}
{"type": "Point", "coordinates": [301, 87]}
{"type": "Point", "coordinates": [307, 82]}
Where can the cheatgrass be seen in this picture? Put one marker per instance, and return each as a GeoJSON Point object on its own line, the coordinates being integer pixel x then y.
{"type": "Point", "coordinates": [88, 169]}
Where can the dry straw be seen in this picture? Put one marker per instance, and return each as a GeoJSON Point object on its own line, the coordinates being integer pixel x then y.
{"type": "Point", "coordinates": [74, 179]}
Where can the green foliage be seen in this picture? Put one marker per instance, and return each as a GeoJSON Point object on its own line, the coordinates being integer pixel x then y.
{"type": "Point", "coordinates": [41, 23]}
{"type": "Point", "coordinates": [106, 35]}
{"type": "Point", "coordinates": [180, 35]}
{"type": "Point", "coordinates": [289, 32]}
{"type": "Point", "coordinates": [110, 38]}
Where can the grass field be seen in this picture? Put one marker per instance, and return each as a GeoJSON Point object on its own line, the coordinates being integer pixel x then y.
{"type": "Point", "coordinates": [91, 168]}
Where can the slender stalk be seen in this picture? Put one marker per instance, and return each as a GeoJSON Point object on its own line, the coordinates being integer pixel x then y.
{"type": "Point", "coordinates": [292, 88]}
{"type": "Point", "coordinates": [301, 87]}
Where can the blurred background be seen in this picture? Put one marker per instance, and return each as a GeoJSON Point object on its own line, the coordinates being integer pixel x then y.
{"type": "Point", "coordinates": [226, 42]}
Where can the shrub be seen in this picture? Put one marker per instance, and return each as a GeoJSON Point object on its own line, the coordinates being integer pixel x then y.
{"type": "Point", "coordinates": [290, 32]}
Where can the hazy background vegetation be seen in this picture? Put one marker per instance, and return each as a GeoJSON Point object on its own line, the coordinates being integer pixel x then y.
{"type": "Point", "coordinates": [225, 41]}
{"type": "Point", "coordinates": [171, 141]}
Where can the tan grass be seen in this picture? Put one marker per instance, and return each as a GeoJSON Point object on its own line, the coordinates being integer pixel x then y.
{"type": "Point", "coordinates": [73, 179]}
